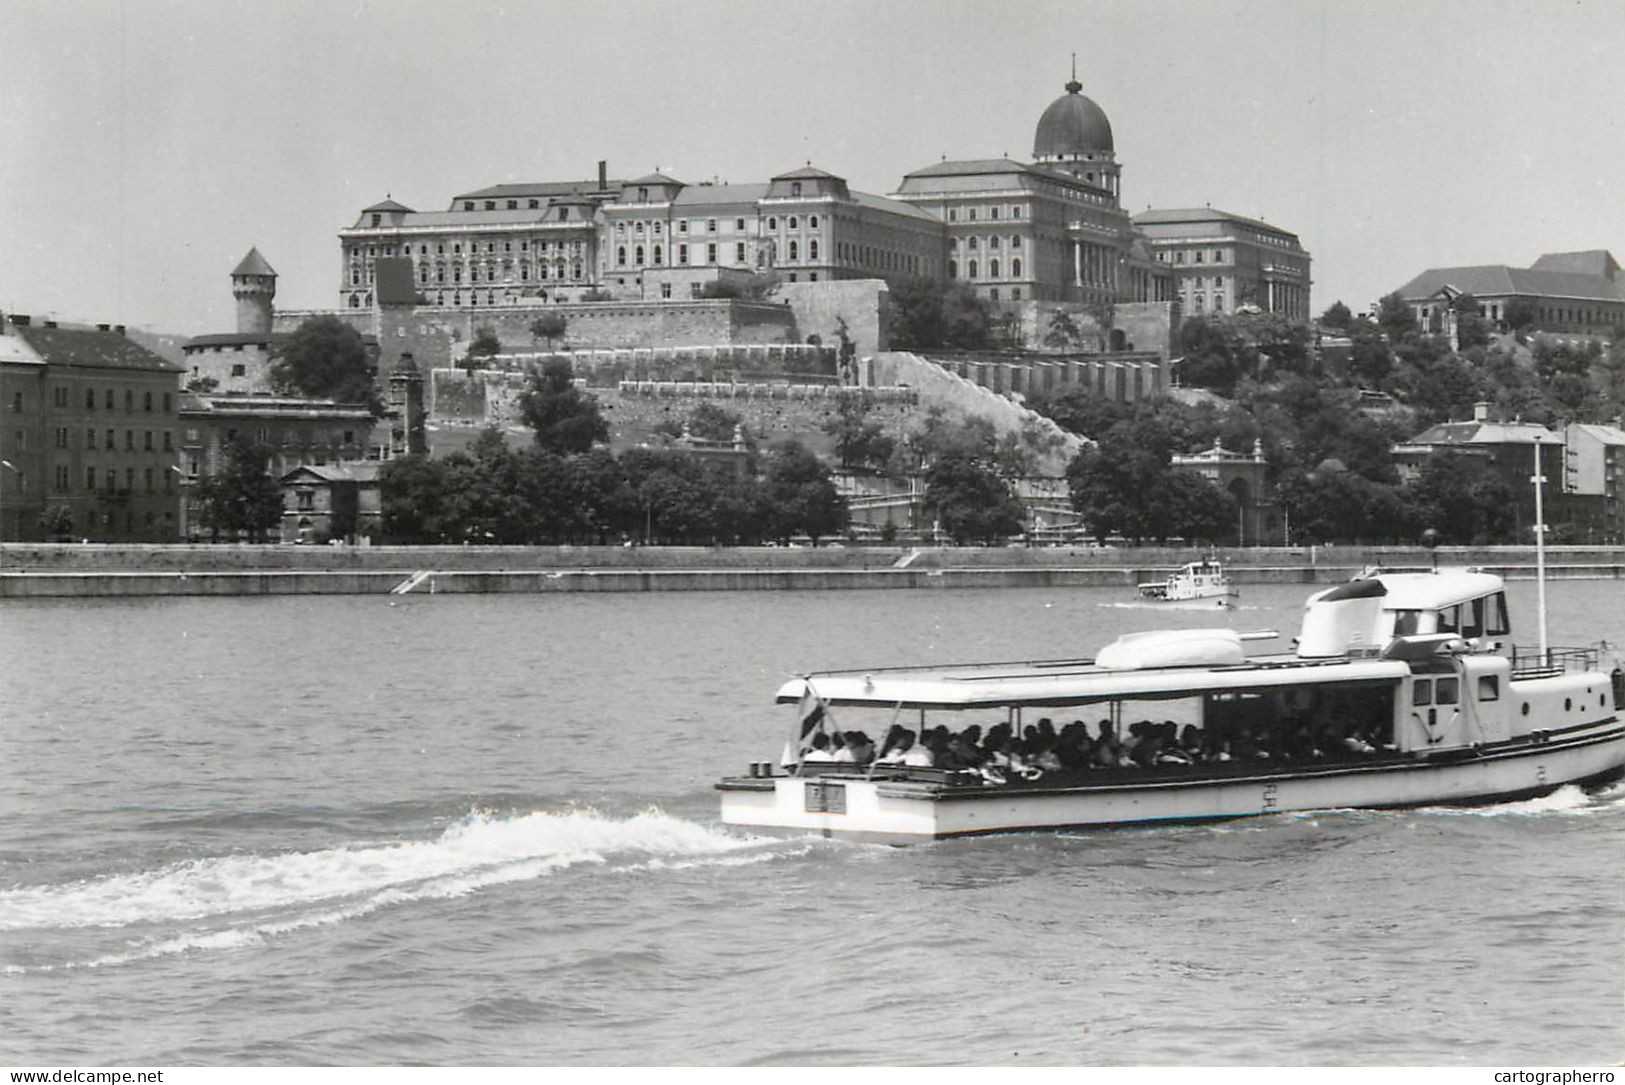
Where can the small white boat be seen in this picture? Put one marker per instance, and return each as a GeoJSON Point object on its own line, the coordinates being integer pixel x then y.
{"type": "Point", "coordinates": [1402, 690]}
{"type": "Point", "coordinates": [1197, 585]}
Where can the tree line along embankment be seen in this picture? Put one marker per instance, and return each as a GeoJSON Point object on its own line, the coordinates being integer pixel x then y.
{"type": "Point", "coordinates": [40, 570]}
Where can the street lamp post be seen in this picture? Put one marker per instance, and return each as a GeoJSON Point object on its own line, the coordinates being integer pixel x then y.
{"type": "Point", "coordinates": [9, 466]}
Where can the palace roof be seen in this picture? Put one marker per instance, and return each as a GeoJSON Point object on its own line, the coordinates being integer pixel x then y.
{"type": "Point", "coordinates": [1073, 124]}
{"type": "Point", "coordinates": [1499, 280]}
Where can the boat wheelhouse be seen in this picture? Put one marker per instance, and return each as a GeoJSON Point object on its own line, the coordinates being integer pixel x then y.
{"type": "Point", "coordinates": [1200, 583]}
{"type": "Point", "coordinates": [1402, 690]}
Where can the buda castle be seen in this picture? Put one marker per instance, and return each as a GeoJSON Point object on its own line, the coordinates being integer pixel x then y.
{"type": "Point", "coordinates": [1052, 229]}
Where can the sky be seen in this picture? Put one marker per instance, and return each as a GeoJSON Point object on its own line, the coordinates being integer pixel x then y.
{"type": "Point", "coordinates": [145, 145]}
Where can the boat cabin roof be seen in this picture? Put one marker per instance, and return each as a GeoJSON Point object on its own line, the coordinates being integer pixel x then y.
{"type": "Point", "coordinates": [1432, 591]}
{"type": "Point", "coordinates": [1074, 682]}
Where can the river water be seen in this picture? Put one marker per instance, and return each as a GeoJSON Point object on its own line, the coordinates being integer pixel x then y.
{"type": "Point", "coordinates": [481, 829]}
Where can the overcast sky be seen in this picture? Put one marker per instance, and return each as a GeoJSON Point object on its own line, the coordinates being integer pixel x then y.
{"type": "Point", "coordinates": [145, 145]}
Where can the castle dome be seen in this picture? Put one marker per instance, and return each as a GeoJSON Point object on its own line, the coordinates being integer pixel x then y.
{"type": "Point", "coordinates": [1072, 125]}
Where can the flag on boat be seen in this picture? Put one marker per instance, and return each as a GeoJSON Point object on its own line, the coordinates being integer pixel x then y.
{"type": "Point", "coordinates": [813, 718]}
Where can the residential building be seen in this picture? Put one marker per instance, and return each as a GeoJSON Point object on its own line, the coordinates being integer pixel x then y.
{"type": "Point", "coordinates": [1594, 469]}
{"type": "Point", "coordinates": [294, 431]}
{"type": "Point", "coordinates": [88, 443]}
{"type": "Point", "coordinates": [1509, 449]}
{"type": "Point", "coordinates": [331, 501]}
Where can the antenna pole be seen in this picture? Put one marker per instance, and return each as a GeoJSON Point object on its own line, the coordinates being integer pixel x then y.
{"type": "Point", "coordinates": [1540, 554]}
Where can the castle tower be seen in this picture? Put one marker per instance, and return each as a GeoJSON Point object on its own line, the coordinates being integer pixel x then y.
{"type": "Point", "coordinates": [253, 284]}
{"type": "Point", "coordinates": [407, 434]}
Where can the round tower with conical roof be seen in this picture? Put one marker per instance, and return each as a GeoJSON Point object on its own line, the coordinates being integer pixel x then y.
{"type": "Point", "coordinates": [253, 284]}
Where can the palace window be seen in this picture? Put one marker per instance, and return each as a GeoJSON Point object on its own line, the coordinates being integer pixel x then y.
{"type": "Point", "coordinates": [639, 255]}
{"type": "Point", "coordinates": [710, 226]}
{"type": "Point", "coordinates": [739, 224]}
{"type": "Point", "coordinates": [468, 205]}
{"type": "Point", "coordinates": [682, 254]}
{"type": "Point", "coordinates": [513, 205]}
{"type": "Point", "coordinates": [711, 252]}
{"type": "Point", "coordinates": [1015, 268]}
{"type": "Point", "coordinates": [665, 290]}
{"type": "Point", "coordinates": [659, 255]}
{"type": "Point", "coordinates": [971, 244]}
{"type": "Point", "coordinates": [534, 205]}
{"type": "Point", "coordinates": [1015, 241]}
{"type": "Point", "coordinates": [739, 252]}
{"type": "Point", "coordinates": [643, 195]}
{"type": "Point", "coordinates": [812, 221]}
{"type": "Point", "coordinates": [993, 213]}
{"type": "Point", "coordinates": [953, 214]}
{"type": "Point", "coordinates": [973, 269]}
{"type": "Point", "coordinates": [993, 269]}
{"type": "Point", "coordinates": [620, 255]}
{"type": "Point", "coordinates": [772, 223]}
{"type": "Point", "coordinates": [795, 188]}
{"type": "Point", "coordinates": [971, 214]}
{"type": "Point", "coordinates": [793, 251]}
{"type": "Point", "coordinates": [812, 249]}
{"type": "Point", "coordinates": [490, 205]}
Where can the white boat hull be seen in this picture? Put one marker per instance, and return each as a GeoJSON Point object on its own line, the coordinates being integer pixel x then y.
{"type": "Point", "coordinates": [897, 811]}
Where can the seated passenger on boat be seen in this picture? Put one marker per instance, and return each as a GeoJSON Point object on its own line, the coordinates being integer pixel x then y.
{"type": "Point", "coordinates": [858, 749]}
{"type": "Point", "coordinates": [819, 750]}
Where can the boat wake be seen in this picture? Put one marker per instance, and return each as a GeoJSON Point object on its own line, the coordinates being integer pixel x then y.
{"type": "Point", "coordinates": [242, 900]}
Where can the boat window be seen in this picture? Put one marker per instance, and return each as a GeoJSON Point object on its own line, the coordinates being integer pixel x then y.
{"type": "Point", "coordinates": [1497, 625]}
{"type": "Point", "coordinates": [1422, 692]}
{"type": "Point", "coordinates": [1473, 618]}
{"type": "Point", "coordinates": [1449, 620]}
{"type": "Point", "coordinates": [1489, 687]}
{"type": "Point", "coordinates": [1446, 690]}
{"type": "Point", "coordinates": [1406, 622]}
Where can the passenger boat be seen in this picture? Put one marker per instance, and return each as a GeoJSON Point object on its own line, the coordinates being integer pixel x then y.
{"type": "Point", "coordinates": [1401, 690]}
{"type": "Point", "coordinates": [1199, 584]}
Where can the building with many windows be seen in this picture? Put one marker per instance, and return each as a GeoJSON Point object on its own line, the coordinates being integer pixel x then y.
{"type": "Point", "coordinates": [1052, 229]}
{"type": "Point", "coordinates": [88, 442]}
{"type": "Point", "coordinates": [1221, 262]}
{"type": "Point", "coordinates": [1576, 293]}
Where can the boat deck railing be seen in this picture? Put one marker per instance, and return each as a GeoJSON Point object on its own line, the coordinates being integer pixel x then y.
{"type": "Point", "coordinates": [1530, 662]}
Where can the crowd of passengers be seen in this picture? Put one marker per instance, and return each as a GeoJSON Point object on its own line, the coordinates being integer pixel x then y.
{"type": "Point", "coordinates": [1000, 753]}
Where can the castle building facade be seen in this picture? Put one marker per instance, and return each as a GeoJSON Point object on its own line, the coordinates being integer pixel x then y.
{"type": "Point", "coordinates": [1574, 293]}
{"type": "Point", "coordinates": [1052, 229]}
{"type": "Point", "coordinates": [1222, 262]}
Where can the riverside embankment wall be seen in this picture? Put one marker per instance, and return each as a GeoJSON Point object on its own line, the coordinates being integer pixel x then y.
{"type": "Point", "coordinates": [38, 570]}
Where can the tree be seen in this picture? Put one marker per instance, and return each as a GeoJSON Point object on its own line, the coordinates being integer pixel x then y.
{"type": "Point", "coordinates": [1063, 331]}
{"type": "Point", "coordinates": [1396, 318]}
{"type": "Point", "coordinates": [549, 326]}
{"type": "Point", "coordinates": [1337, 315]}
{"type": "Point", "coordinates": [564, 418]}
{"type": "Point", "coordinates": [242, 498]}
{"type": "Point", "coordinates": [1520, 313]}
{"type": "Point", "coordinates": [928, 314]}
{"type": "Point", "coordinates": [484, 346]}
{"type": "Point", "coordinates": [1462, 497]}
{"type": "Point", "coordinates": [799, 495]}
{"type": "Point", "coordinates": [860, 441]}
{"type": "Point", "coordinates": [202, 385]}
{"type": "Point", "coordinates": [324, 357]}
{"type": "Point", "coordinates": [56, 523]}
{"type": "Point", "coordinates": [972, 504]}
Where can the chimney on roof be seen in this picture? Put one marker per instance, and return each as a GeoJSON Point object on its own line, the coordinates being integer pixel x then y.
{"type": "Point", "coordinates": [50, 323]}
{"type": "Point", "coordinates": [104, 327]}
{"type": "Point", "coordinates": [603, 174]}
{"type": "Point", "coordinates": [1481, 411]}
{"type": "Point", "coordinates": [118, 329]}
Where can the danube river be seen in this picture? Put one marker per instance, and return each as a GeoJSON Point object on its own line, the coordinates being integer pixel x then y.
{"type": "Point", "coordinates": [481, 829]}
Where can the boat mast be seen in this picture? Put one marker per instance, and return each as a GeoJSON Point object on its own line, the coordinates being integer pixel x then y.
{"type": "Point", "coordinates": [1540, 554]}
